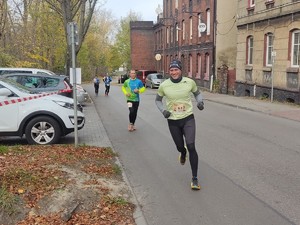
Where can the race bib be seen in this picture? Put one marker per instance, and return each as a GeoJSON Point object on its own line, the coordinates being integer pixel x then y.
{"type": "Point", "coordinates": [179, 108]}
{"type": "Point", "coordinates": [129, 104]}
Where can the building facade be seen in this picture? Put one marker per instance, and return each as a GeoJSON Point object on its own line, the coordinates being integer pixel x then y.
{"type": "Point", "coordinates": [268, 49]}
{"type": "Point", "coordinates": [177, 36]}
{"type": "Point", "coordinates": [142, 45]}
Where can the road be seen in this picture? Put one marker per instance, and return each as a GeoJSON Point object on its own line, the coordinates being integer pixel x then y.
{"type": "Point", "coordinates": [249, 164]}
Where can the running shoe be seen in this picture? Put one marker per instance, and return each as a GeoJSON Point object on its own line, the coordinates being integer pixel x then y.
{"type": "Point", "coordinates": [194, 184]}
{"type": "Point", "coordinates": [182, 157]}
{"type": "Point", "coordinates": [130, 127]}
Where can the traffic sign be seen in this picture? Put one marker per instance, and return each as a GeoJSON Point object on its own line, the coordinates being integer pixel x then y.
{"type": "Point", "coordinates": [202, 27]}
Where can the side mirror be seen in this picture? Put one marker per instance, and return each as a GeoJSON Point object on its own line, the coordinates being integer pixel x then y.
{"type": "Point", "coordinates": [5, 92]}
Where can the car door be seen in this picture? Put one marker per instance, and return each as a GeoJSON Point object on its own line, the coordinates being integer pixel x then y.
{"type": "Point", "coordinates": [9, 111]}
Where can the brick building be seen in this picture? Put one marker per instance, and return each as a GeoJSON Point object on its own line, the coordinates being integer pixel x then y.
{"type": "Point", "coordinates": [202, 51]}
{"type": "Point", "coordinates": [268, 49]}
{"type": "Point", "coordinates": [177, 37]}
{"type": "Point", "coordinates": [142, 45]}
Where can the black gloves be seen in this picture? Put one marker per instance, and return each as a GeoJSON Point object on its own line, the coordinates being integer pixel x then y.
{"type": "Point", "coordinates": [200, 105]}
{"type": "Point", "coordinates": [166, 114]}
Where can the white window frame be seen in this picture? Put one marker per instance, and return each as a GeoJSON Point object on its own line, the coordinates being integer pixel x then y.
{"type": "Point", "coordinates": [269, 49]}
{"type": "Point", "coordinates": [199, 21]}
{"type": "Point", "coordinates": [168, 35]}
{"type": "Point", "coordinates": [250, 40]}
{"type": "Point", "coordinates": [183, 30]}
{"type": "Point", "coordinates": [191, 66]}
{"type": "Point", "coordinates": [198, 74]}
{"type": "Point", "coordinates": [177, 32]}
{"type": "Point", "coordinates": [295, 49]}
{"type": "Point", "coordinates": [251, 3]}
{"type": "Point", "coordinates": [208, 22]}
{"type": "Point", "coordinates": [191, 28]}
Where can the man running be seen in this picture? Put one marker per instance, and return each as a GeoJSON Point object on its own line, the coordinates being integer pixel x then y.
{"type": "Point", "coordinates": [179, 113]}
{"type": "Point", "coordinates": [132, 88]}
{"type": "Point", "coordinates": [96, 81]}
{"type": "Point", "coordinates": [107, 79]}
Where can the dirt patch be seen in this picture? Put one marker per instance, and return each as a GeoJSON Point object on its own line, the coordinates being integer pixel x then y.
{"type": "Point", "coordinates": [62, 185]}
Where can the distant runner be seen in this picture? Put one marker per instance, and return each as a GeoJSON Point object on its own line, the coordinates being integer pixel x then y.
{"type": "Point", "coordinates": [132, 88]}
{"type": "Point", "coordinates": [107, 79]}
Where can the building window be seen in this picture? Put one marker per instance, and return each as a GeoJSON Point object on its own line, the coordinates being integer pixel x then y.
{"type": "Point", "coordinates": [198, 64]}
{"type": "Point", "coordinates": [295, 48]}
{"type": "Point", "coordinates": [168, 35]}
{"type": "Point", "coordinates": [190, 66]}
{"type": "Point", "coordinates": [177, 32]}
{"type": "Point", "coordinates": [176, 4]}
{"type": "Point", "coordinates": [208, 22]}
{"type": "Point", "coordinates": [207, 62]}
{"type": "Point", "coordinates": [199, 21]}
{"type": "Point", "coordinates": [249, 50]}
{"type": "Point", "coordinates": [269, 4]}
{"type": "Point", "coordinates": [191, 28]}
{"type": "Point", "coordinates": [190, 5]}
{"type": "Point", "coordinates": [251, 3]}
{"type": "Point", "coordinates": [183, 30]}
{"type": "Point", "coordinates": [269, 49]}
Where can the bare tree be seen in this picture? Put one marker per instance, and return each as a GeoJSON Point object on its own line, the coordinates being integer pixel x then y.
{"type": "Point", "coordinates": [3, 16]}
{"type": "Point", "coordinates": [80, 11]}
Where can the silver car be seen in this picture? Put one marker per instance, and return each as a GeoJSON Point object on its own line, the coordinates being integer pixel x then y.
{"type": "Point", "coordinates": [153, 80]}
{"type": "Point", "coordinates": [48, 83]}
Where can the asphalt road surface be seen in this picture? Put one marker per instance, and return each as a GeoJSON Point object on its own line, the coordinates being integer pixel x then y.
{"type": "Point", "coordinates": [249, 164]}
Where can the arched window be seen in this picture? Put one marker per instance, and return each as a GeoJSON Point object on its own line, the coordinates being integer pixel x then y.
{"type": "Point", "coordinates": [199, 21]}
{"type": "Point", "coordinates": [208, 21]}
{"type": "Point", "coordinates": [207, 62]}
{"type": "Point", "coordinates": [251, 3]}
{"type": "Point", "coordinates": [249, 51]}
{"type": "Point", "coordinates": [190, 65]}
{"type": "Point", "coordinates": [269, 40]}
{"type": "Point", "coordinates": [183, 30]}
{"type": "Point", "coordinates": [295, 48]}
{"type": "Point", "coordinates": [198, 67]}
{"type": "Point", "coordinates": [191, 28]}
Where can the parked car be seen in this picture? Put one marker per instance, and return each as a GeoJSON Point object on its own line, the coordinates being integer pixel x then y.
{"type": "Point", "coordinates": [48, 83]}
{"type": "Point", "coordinates": [122, 78]}
{"type": "Point", "coordinates": [142, 74]}
{"type": "Point", "coordinates": [8, 70]}
{"type": "Point", "coordinates": [153, 80]}
{"type": "Point", "coordinates": [42, 118]}
{"type": "Point", "coordinates": [82, 95]}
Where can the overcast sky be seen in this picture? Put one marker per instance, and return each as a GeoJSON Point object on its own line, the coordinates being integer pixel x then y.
{"type": "Point", "coordinates": [146, 8]}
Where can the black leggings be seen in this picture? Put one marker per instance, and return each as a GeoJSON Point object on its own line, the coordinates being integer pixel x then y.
{"type": "Point", "coordinates": [96, 86]}
{"type": "Point", "coordinates": [133, 109]}
{"type": "Point", "coordinates": [107, 89]}
{"type": "Point", "coordinates": [185, 128]}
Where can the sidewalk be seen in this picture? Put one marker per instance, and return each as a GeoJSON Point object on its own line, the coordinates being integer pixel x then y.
{"type": "Point", "coordinates": [284, 110]}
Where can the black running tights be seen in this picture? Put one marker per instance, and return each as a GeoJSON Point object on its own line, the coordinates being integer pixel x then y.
{"type": "Point", "coordinates": [133, 109]}
{"type": "Point", "coordinates": [107, 87]}
{"type": "Point", "coordinates": [185, 128]}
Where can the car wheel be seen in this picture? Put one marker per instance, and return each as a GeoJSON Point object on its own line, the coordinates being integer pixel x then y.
{"type": "Point", "coordinates": [42, 130]}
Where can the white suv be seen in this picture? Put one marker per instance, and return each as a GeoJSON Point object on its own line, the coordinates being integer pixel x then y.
{"type": "Point", "coordinates": [44, 118]}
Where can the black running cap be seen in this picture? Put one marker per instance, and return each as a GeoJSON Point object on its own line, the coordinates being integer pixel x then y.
{"type": "Point", "coordinates": [175, 64]}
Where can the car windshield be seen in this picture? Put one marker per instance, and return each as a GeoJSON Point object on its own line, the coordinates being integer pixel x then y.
{"type": "Point", "coordinates": [159, 76]}
{"type": "Point", "coordinates": [18, 86]}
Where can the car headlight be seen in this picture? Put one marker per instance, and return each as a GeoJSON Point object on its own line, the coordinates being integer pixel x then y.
{"type": "Point", "coordinates": [65, 104]}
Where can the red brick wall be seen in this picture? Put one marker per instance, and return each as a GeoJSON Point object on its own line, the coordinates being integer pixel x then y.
{"type": "Point", "coordinates": [142, 45]}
